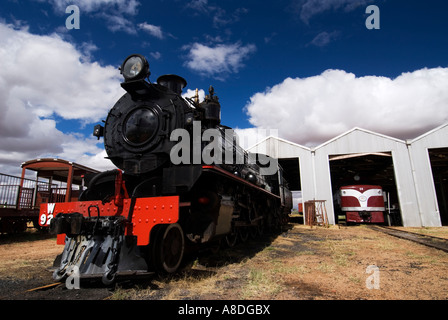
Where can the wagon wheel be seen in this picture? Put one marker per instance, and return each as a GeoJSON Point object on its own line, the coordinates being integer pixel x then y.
{"type": "Point", "coordinates": [168, 248]}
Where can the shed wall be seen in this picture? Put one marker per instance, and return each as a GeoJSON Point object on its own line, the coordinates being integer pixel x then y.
{"type": "Point", "coordinates": [424, 182]}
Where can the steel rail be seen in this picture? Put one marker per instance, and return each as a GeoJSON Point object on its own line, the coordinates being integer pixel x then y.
{"type": "Point", "coordinates": [430, 241]}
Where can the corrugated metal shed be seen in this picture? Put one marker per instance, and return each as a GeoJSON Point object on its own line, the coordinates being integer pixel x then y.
{"type": "Point", "coordinates": [411, 165]}
{"type": "Point", "coordinates": [360, 140]}
{"type": "Point", "coordinates": [424, 182]}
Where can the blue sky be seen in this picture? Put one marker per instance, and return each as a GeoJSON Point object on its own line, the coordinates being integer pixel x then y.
{"type": "Point", "coordinates": [307, 68]}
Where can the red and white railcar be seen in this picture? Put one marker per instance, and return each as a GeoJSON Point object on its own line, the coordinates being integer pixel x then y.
{"type": "Point", "coordinates": [362, 203]}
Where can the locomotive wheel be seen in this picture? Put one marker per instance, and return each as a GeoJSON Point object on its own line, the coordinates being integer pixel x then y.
{"type": "Point", "coordinates": [215, 247]}
{"type": "Point", "coordinates": [232, 238]}
{"type": "Point", "coordinates": [260, 228]}
{"type": "Point", "coordinates": [253, 231]}
{"type": "Point", "coordinates": [168, 248]}
{"type": "Point", "coordinates": [243, 233]}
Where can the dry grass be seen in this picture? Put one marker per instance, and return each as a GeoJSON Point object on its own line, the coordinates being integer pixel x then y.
{"type": "Point", "coordinates": [301, 263]}
{"type": "Point", "coordinates": [316, 263]}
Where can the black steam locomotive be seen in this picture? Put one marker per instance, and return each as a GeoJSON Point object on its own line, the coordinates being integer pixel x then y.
{"type": "Point", "coordinates": [183, 182]}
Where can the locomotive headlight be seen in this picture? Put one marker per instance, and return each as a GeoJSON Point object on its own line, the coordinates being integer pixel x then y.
{"type": "Point", "coordinates": [135, 67]}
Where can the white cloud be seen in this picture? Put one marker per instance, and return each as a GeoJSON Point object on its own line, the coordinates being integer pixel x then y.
{"type": "Point", "coordinates": [249, 137]}
{"type": "Point", "coordinates": [47, 75]}
{"type": "Point", "coordinates": [153, 30]}
{"type": "Point", "coordinates": [85, 152]}
{"type": "Point", "coordinates": [312, 110]}
{"type": "Point", "coordinates": [218, 61]}
{"type": "Point", "coordinates": [192, 93]}
{"type": "Point", "coordinates": [44, 76]}
{"type": "Point", "coordinates": [116, 22]}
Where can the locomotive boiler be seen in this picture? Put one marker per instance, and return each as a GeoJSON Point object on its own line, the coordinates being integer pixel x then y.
{"type": "Point", "coordinates": [182, 182]}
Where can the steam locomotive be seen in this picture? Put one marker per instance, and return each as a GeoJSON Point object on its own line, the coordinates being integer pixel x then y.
{"type": "Point", "coordinates": [182, 182]}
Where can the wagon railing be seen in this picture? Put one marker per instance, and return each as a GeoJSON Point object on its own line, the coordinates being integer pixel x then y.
{"type": "Point", "coordinates": [24, 193]}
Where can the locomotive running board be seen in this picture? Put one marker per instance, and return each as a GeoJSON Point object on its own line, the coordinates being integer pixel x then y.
{"type": "Point", "coordinates": [236, 178]}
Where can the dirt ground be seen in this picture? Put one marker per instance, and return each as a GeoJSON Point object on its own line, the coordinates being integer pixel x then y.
{"type": "Point", "coordinates": [302, 263]}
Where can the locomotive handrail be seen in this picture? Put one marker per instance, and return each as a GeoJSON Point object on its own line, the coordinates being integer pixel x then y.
{"type": "Point", "coordinates": [98, 216]}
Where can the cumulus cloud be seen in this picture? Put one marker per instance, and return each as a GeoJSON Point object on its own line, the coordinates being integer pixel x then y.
{"type": "Point", "coordinates": [192, 93]}
{"type": "Point", "coordinates": [217, 61]}
{"type": "Point", "coordinates": [249, 137]}
{"type": "Point", "coordinates": [312, 110]}
{"type": "Point", "coordinates": [46, 74]}
{"type": "Point", "coordinates": [43, 77]}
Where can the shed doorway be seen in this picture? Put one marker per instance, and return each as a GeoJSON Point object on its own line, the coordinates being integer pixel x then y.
{"type": "Point", "coordinates": [366, 169]}
{"type": "Point", "coordinates": [439, 167]}
{"type": "Point", "coordinates": [291, 172]}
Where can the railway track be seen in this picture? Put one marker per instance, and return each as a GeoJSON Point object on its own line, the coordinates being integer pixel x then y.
{"type": "Point", "coordinates": [430, 241]}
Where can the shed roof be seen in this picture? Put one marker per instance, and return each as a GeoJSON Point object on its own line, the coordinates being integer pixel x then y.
{"type": "Point", "coordinates": [440, 130]}
{"type": "Point", "coordinates": [356, 130]}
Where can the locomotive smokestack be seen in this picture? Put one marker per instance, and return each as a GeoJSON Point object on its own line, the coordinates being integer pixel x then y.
{"type": "Point", "coordinates": [173, 82]}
